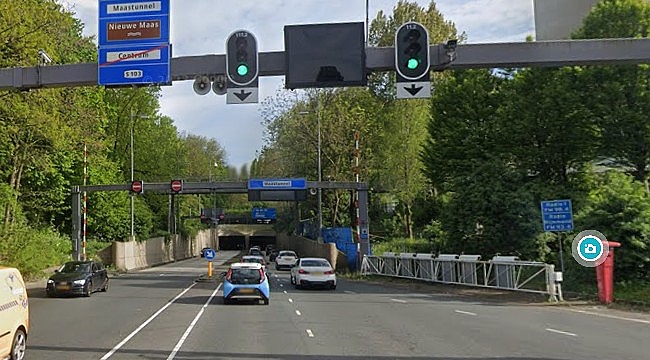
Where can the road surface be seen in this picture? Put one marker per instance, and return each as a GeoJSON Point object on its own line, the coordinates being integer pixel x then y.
{"type": "Point", "coordinates": [162, 313]}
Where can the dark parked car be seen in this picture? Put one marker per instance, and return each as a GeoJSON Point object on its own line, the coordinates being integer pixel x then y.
{"type": "Point", "coordinates": [78, 277]}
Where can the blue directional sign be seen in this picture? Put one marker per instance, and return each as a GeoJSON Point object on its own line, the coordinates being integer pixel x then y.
{"type": "Point", "coordinates": [557, 215]}
{"type": "Point", "coordinates": [134, 42]}
{"type": "Point", "coordinates": [209, 254]}
{"type": "Point", "coordinates": [263, 213]}
{"type": "Point", "coordinates": [277, 184]}
{"type": "Point", "coordinates": [134, 65]}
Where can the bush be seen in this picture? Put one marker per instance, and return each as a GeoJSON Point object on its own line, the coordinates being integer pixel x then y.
{"type": "Point", "coordinates": [402, 245]}
{"type": "Point", "coordinates": [32, 251]}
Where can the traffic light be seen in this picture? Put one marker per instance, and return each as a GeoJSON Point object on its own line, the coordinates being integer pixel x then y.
{"type": "Point", "coordinates": [137, 187]}
{"type": "Point", "coordinates": [412, 60]}
{"type": "Point", "coordinates": [242, 58]}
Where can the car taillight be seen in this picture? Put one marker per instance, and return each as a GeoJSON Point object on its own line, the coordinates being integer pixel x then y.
{"type": "Point", "coordinates": [228, 274]}
{"type": "Point", "coordinates": [262, 276]}
{"type": "Point", "coordinates": [329, 272]}
{"type": "Point", "coordinates": [301, 271]}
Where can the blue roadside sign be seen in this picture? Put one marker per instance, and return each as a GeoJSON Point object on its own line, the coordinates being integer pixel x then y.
{"type": "Point", "coordinates": [209, 254]}
{"type": "Point", "coordinates": [277, 184]}
{"type": "Point", "coordinates": [133, 41]}
{"type": "Point", "coordinates": [263, 213]}
{"type": "Point", "coordinates": [557, 215]}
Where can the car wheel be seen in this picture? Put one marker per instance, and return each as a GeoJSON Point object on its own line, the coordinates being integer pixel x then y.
{"type": "Point", "coordinates": [226, 301]}
{"type": "Point", "coordinates": [105, 288]}
{"type": "Point", "coordinates": [333, 287]}
{"type": "Point", "coordinates": [18, 346]}
{"type": "Point", "coordinates": [49, 293]}
{"type": "Point", "coordinates": [277, 267]}
{"type": "Point", "coordinates": [266, 301]}
{"type": "Point", "coordinates": [88, 289]}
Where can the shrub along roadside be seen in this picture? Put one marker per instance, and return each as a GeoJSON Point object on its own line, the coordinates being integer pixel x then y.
{"type": "Point", "coordinates": [32, 250]}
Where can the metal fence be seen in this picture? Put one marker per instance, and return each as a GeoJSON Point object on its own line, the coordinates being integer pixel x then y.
{"type": "Point", "coordinates": [501, 272]}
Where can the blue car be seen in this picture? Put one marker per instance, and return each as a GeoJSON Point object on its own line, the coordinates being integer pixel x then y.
{"type": "Point", "coordinates": [245, 281]}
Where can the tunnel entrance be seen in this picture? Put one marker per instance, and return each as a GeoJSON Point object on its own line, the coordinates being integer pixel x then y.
{"type": "Point", "coordinates": [262, 241]}
{"type": "Point", "coordinates": [231, 242]}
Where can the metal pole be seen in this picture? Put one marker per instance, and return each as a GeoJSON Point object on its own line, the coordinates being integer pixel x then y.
{"type": "Point", "coordinates": [132, 215]}
{"type": "Point", "coordinates": [320, 190]}
{"type": "Point", "coordinates": [85, 210]}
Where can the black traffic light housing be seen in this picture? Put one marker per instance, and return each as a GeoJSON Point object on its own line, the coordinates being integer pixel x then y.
{"type": "Point", "coordinates": [242, 58]}
{"type": "Point", "coordinates": [412, 61]}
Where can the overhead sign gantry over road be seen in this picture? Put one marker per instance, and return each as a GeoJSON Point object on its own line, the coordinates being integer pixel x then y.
{"type": "Point", "coordinates": [467, 56]}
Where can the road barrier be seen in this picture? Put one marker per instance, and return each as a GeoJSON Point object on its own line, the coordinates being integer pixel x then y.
{"type": "Point", "coordinates": [501, 272]}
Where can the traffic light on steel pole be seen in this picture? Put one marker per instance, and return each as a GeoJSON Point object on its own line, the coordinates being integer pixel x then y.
{"type": "Point", "coordinates": [412, 60]}
{"type": "Point", "coordinates": [242, 58]}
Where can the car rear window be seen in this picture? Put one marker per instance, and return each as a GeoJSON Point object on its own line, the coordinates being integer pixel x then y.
{"type": "Point", "coordinates": [245, 276]}
{"type": "Point", "coordinates": [287, 253]}
{"type": "Point", "coordinates": [321, 263]}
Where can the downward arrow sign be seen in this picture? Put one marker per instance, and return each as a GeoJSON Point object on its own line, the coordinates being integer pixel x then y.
{"type": "Point", "coordinates": [243, 95]}
{"type": "Point", "coordinates": [412, 90]}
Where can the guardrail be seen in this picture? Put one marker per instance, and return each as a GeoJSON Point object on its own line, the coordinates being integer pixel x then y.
{"type": "Point", "coordinates": [501, 272]}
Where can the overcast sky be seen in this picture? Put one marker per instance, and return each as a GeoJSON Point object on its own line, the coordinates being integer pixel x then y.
{"type": "Point", "coordinates": [200, 27]}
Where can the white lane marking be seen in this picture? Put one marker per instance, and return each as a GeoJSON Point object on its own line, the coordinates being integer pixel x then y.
{"type": "Point", "coordinates": [150, 319]}
{"type": "Point", "coordinates": [560, 332]}
{"type": "Point", "coordinates": [298, 312]}
{"type": "Point", "coordinates": [465, 312]}
{"type": "Point", "coordinates": [281, 284]}
{"type": "Point", "coordinates": [276, 275]}
{"type": "Point", "coordinates": [290, 300]}
{"type": "Point", "coordinates": [611, 316]}
{"type": "Point", "coordinates": [349, 292]}
{"type": "Point", "coordinates": [192, 324]}
{"type": "Point", "coordinates": [284, 291]}
{"type": "Point", "coordinates": [309, 333]}
{"type": "Point", "coordinates": [400, 301]}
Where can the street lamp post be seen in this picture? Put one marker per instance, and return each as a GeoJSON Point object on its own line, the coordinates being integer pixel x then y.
{"type": "Point", "coordinates": [132, 210]}
{"type": "Point", "coordinates": [320, 172]}
{"type": "Point", "coordinates": [320, 175]}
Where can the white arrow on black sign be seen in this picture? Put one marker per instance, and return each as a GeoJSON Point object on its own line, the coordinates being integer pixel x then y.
{"type": "Point", "coordinates": [248, 95]}
{"type": "Point", "coordinates": [413, 90]}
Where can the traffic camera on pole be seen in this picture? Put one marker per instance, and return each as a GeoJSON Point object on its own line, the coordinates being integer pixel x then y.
{"type": "Point", "coordinates": [412, 60]}
{"type": "Point", "coordinates": [242, 58]}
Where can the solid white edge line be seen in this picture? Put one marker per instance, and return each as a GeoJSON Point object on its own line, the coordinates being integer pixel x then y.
{"type": "Point", "coordinates": [309, 333]}
{"type": "Point", "coordinates": [610, 316]}
{"type": "Point", "coordinates": [560, 332]}
{"type": "Point", "coordinates": [192, 324]}
{"type": "Point", "coordinates": [465, 312]}
{"type": "Point", "coordinates": [150, 319]}
{"type": "Point", "coordinates": [298, 312]}
{"type": "Point", "coordinates": [400, 301]}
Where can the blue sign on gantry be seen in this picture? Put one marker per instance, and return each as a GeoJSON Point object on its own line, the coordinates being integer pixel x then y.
{"type": "Point", "coordinates": [134, 42]}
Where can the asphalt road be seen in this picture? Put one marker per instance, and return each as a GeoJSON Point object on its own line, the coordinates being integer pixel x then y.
{"type": "Point", "coordinates": [162, 313]}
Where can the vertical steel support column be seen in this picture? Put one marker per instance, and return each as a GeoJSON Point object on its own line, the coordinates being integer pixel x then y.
{"type": "Point", "coordinates": [76, 222]}
{"type": "Point", "coordinates": [363, 222]}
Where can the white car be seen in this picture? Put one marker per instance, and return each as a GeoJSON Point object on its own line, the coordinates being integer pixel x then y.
{"type": "Point", "coordinates": [285, 259]}
{"type": "Point", "coordinates": [313, 272]}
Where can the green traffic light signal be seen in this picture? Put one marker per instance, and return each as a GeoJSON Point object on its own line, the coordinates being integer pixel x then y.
{"type": "Point", "coordinates": [242, 69]}
{"type": "Point", "coordinates": [412, 63]}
